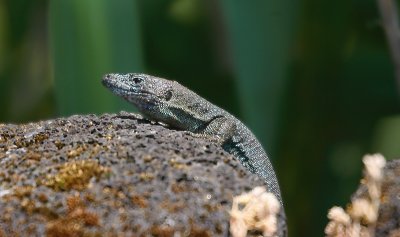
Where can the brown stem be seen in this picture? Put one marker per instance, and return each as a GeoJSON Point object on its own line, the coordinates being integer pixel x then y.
{"type": "Point", "coordinates": [390, 20]}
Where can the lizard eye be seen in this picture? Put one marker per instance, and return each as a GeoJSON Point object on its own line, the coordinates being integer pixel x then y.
{"type": "Point", "coordinates": [135, 79]}
{"type": "Point", "coordinates": [168, 95]}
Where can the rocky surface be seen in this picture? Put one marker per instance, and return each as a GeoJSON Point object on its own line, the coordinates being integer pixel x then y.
{"type": "Point", "coordinates": [388, 222]}
{"type": "Point", "coordinates": [374, 209]}
{"type": "Point", "coordinates": [114, 175]}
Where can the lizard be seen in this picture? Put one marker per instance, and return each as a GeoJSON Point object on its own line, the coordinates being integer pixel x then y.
{"type": "Point", "coordinates": [171, 103]}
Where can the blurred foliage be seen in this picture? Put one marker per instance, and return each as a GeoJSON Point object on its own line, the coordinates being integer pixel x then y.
{"type": "Point", "coordinates": [313, 79]}
{"type": "Point", "coordinates": [89, 39]}
{"type": "Point", "coordinates": [261, 57]}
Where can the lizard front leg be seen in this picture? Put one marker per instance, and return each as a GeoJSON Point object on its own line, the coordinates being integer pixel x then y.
{"type": "Point", "coordinates": [220, 129]}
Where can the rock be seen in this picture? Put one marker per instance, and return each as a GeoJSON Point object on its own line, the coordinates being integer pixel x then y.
{"type": "Point", "coordinates": [114, 175]}
{"type": "Point", "coordinates": [388, 221]}
{"type": "Point", "coordinates": [374, 209]}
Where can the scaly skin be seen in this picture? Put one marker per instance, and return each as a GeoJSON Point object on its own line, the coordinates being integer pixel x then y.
{"type": "Point", "coordinates": [171, 103]}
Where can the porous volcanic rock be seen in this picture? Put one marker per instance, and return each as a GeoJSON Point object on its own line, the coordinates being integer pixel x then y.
{"type": "Point", "coordinates": [388, 223]}
{"type": "Point", "coordinates": [114, 175]}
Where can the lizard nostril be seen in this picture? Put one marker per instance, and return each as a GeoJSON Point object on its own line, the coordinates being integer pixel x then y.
{"type": "Point", "coordinates": [107, 76]}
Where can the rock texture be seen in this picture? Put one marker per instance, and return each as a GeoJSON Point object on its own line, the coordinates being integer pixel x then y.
{"type": "Point", "coordinates": [374, 210]}
{"type": "Point", "coordinates": [388, 222]}
{"type": "Point", "coordinates": [114, 175]}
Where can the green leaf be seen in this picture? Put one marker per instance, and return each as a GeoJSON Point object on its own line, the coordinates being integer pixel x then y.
{"type": "Point", "coordinates": [88, 39]}
{"type": "Point", "coordinates": [260, 35]}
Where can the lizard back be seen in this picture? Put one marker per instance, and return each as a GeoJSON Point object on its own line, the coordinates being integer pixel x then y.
{"type": "Point", "coordinates": [170, 102]}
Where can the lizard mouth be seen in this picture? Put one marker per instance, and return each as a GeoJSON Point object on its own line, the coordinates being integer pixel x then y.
{"type": "Point", "coordinates": [138, 95]}
{"type": "Point", "coordinates": [115, 85]}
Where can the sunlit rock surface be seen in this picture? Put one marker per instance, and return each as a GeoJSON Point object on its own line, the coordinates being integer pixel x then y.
{"type": "Point", "coordinates": [114, 174]}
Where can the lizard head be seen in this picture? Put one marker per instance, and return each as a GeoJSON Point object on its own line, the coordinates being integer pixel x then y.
{"type": "Point", "coordinates": [159, 99]}
{"type": "Point", "coordinates": [144, 91]}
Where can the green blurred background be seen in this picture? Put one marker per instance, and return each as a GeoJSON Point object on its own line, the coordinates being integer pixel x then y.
{"type": "Point", "coordinates": [313, 79]}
